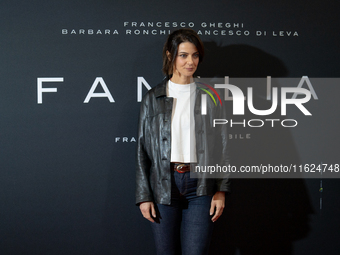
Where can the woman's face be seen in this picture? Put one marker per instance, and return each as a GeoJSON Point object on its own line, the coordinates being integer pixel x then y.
{"type": "Point", "coordinates": [186, 60]}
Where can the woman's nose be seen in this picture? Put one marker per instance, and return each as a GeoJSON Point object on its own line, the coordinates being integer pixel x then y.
{"type": "Point", "coordinates": [189, 59]}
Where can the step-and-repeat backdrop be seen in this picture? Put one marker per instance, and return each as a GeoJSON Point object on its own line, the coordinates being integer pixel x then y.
{"type": "Point", "coordinates": [72, 77]}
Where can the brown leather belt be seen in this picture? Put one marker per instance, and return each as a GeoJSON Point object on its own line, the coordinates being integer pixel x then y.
{"type": "Point", "coordinates": [181, 167]}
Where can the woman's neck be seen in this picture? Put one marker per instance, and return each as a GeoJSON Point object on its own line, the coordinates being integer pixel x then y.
{"type": "Point", "coordinates": [180, 79]}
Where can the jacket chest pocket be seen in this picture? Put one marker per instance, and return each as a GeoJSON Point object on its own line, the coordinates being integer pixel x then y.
{"type": "Point", "coordinates": [159, 136]}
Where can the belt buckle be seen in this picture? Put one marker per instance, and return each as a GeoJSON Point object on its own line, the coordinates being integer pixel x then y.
{"type": "Point", "coordinates": [179, 167]}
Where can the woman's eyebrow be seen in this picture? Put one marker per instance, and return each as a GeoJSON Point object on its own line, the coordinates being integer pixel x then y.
{"type": "Point", "coordinates": [188, 53]}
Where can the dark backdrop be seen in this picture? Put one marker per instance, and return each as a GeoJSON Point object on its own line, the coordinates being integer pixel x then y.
{"type": "Point", "coordinates": [67, 167]}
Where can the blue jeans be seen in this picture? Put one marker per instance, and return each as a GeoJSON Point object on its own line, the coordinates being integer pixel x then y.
{"type": "Point", "coordinates": [185, 226]}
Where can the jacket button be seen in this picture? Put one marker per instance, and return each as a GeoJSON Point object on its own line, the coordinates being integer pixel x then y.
{"type": "Point", "coordinates": [164, 158]}
{"type": "Point", "coordinates": [164, 138]}
{"type": "Point", "coordinates": [200, 131]}
{"type": "Point", "coordinates": [165, 120]}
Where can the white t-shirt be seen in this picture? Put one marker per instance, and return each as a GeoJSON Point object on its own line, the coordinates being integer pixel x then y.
{"type": "Point", "coordinates": [183, 142]}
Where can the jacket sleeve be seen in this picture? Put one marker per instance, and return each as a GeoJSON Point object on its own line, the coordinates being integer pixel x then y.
{"type": "Point", "coordinates": [223, 184]}
{"type": "Point", "coordinates": [143, 189]}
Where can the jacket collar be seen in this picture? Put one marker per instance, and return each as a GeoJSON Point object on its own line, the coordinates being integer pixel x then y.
{"type": "Point", "coordinates": [160, 90]}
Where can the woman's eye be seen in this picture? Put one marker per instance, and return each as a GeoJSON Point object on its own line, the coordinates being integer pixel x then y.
{"type": "Point", "coordinates": [196, 56]}
{"type": "Point", "coordinates": [183, 55]}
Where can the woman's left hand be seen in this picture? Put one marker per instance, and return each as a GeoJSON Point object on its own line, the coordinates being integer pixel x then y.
{"type": "Point", "coordinates": [217, 205]}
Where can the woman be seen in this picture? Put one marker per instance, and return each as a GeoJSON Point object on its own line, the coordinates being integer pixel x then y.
{"type": "Point", "coordinates": [182, 209]}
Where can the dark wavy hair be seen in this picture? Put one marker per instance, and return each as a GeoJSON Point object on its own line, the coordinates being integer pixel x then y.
{"type": "Point", "coordinates": [171, 45]}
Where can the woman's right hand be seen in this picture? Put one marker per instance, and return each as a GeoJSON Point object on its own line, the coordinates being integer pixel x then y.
{"type": "Point", "coordinates": [148, 210]}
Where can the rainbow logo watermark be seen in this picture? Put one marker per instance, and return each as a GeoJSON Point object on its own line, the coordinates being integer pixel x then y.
{"type": "Point", "coordinates": [208, 92]}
